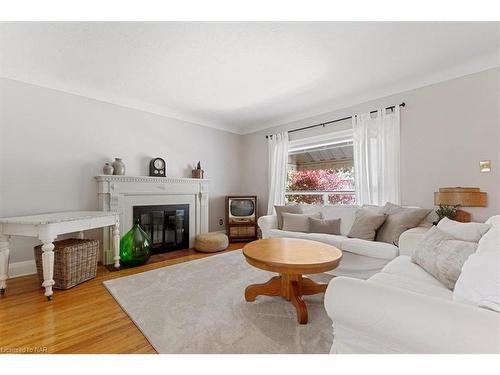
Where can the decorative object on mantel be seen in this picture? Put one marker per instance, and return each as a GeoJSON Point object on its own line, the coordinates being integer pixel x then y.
{"type": "Point", "coordinates": [118, 167]}
{"type": "Point", "coordinates": [107, 169]}
{"type": "Point", "coordinates": [198, 172]}
{"type": "Point", "coordinates": [157, 167]}
{"type": "Point", "coordinates": [75, 261]}
{"type": "Point", "coordinates": [135, 247]}
{"type": "Point", "coordinates": [463, 197]}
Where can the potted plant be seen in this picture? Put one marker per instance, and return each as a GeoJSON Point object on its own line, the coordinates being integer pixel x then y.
{"type": "Point", "coordinates": [446, 211]}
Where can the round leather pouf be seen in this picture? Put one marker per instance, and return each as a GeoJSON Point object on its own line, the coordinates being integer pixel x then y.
{"type": "Point", "coordinates": [211, 242]}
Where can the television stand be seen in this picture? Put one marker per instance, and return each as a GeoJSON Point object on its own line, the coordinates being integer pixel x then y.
{"type": "Point", "coordinates": [241, 218]}
{"type": "Point", "coordinates": [242, 232]}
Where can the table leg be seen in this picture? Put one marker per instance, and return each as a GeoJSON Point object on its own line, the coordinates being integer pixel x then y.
{"type": "Point", "coordinates": [116, 244]}
{"type": "Point", "coordinates": [4, 262]}
{"type": "Point", "coordinates": [271, 288]}
{"type": "Point", "coordinates": [48, 266]}
{"type": "Point", "coordinates": [298, 302]}
{"type": "Point", "coordinates": [289, 286]}
{"type": "Point", "coordinates": [308, 287]}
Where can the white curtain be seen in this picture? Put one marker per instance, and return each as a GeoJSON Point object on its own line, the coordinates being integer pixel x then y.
{"type": "Point", "coordinates": [376, 156]}
{"type": "Point", "coordinates": [278, 160]}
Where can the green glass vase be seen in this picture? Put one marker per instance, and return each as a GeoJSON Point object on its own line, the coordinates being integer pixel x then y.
{"type": "Point", "coordinates": [135, 247]}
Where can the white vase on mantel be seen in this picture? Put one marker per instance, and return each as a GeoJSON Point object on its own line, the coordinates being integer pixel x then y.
{"type": "Point", "coordinates": [118, 167]}
{"type": "Point", "coordinates": [107, 169]}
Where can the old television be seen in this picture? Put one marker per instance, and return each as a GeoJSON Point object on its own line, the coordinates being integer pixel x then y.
{"type": "Point", "coordinates": [241, 217]}
{"type": "Point", "coordinates": [242, 210]}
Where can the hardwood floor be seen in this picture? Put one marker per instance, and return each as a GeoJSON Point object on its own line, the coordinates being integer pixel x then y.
{"type": "Point", "coordinates": [84, 319]}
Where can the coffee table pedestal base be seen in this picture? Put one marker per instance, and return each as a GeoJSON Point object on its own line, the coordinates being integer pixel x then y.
{"type": "Point", "coordinates": [290, 287]}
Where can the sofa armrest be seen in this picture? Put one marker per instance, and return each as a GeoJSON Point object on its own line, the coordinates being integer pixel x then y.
{"type": "Point", "coordinates": [266, 223]}
{"type": "Point", "coordinates": [408, 322]}
{"type": "Point", "coordinates": [410, 238]}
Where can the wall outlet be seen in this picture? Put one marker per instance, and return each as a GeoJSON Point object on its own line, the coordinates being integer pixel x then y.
{"type": "Point", "coordinates": [221, 222]}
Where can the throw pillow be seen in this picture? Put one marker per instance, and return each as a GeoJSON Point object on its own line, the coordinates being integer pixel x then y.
{"type": "Point", "coordinates": [479, 282]}
{"type": "Point", "coordinates": [442, 255]}
{"type": "Point", "coordinates": [328, 226]}
{"type": "Point", "coordinates": [471, 232]}
{"type": "Point", "coordinates": [366, 224]}
{"type": "Point", "coordinates": [295, 209]}
{"type": "Point", "coordinates": [399, 220]}
{"type": "Point", "coordinates": [298, 222]}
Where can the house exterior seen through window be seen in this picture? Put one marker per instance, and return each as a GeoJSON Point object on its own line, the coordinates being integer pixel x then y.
{"type": "Point", "coordinates": [322, 175]}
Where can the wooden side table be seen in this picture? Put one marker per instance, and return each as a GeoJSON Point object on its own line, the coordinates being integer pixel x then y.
{"type": "Point", "coordinates": [46, 227]}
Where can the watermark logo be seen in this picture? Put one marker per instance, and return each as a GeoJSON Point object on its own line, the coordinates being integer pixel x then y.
{"type": "Point", "coordinates": [23, 350]}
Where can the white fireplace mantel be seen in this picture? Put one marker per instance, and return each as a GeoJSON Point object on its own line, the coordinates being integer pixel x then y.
{"type": "Point", "coordinates": [121, 193]}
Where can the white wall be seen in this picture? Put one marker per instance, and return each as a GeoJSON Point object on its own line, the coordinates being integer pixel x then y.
{"type": "Point", "coordinates": [446, 129]}
{"type": "Point", "coordinates": [52, 144]}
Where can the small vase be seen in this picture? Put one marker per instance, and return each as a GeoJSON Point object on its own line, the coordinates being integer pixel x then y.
{"type": "Point", "coordinates": [135, 247]}
{"type": "Point", "coordinates": [107, 169]}
{"type": "Point", "coordinates": [118, 167]}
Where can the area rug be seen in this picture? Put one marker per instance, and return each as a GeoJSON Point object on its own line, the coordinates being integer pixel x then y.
{"type": "Point", "coordinates": [199, 307]}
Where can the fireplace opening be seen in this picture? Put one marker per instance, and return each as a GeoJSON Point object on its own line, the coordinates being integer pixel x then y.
{"type": "Point", "coordinates": [167, 225]}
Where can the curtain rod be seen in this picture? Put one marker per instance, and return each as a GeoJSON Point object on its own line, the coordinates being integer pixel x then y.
{"type": "Point", "coordinates": [331, 122]}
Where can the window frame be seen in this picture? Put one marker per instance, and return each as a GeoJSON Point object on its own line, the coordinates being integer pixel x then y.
{"type": "Point", "coordinates": [303, 144]}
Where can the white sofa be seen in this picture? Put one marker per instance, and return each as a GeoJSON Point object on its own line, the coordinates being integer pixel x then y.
{"type": "Point", "coordinates": [361, 258]}
{"type": "Point", "coordinates": [403, 309]}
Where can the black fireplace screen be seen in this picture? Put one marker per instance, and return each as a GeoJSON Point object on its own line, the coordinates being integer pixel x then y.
{"type": "Point", "coordinates": [167, 225]}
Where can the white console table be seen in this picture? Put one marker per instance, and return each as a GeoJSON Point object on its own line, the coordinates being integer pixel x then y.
{"type": "Point", "coordinates": [46, 227]}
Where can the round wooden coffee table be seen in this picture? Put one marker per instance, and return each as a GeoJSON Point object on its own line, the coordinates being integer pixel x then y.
{"type": "Point", "coordinates": [291, 258]}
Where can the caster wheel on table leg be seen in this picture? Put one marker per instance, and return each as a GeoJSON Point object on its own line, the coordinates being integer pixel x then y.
{"type": "Point", "coordinates": [49, 298]}
{"type": "Point", "coordinates": [2, 292]}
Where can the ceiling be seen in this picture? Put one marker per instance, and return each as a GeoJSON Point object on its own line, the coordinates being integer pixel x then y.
{"type": "Point", "coordinates": [243, 77]}
{"type": "Point", "coordinates": [341, 152]}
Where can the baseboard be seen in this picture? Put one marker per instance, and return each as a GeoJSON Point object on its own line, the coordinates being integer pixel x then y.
{"type": "Point", "coordinates": [18, 269]}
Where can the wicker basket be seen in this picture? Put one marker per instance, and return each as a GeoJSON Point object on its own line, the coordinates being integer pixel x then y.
{"type": "Point", "coordinates": [75, 261]}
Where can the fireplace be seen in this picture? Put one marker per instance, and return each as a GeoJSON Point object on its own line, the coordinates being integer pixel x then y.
{"type": "Point", "coordinates": [166, 225]}
{"type": "Point", "coordinates": [123, 193]}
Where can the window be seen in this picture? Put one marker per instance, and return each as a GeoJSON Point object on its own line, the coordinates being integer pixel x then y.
{"type": "Point", "coordinates": [321, 170]}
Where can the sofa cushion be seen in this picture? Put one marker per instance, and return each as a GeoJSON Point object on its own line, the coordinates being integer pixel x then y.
{"type": "Point", "coordinates": [471, 232]}
{"type": "Point", "coordinates": [327, 226]}
{"type": "Point", "coordinates": [294, 209]}
{"type": "Point", "coordinates": [284, 233]}
{"type": "Point", "coordinates": [344, 213]}
{"type": "Point", "coordinates": [479, 282]}
{"type": "Point", "coordinates": [442, 255]}
{"type": "Point", "coordinates": [490, 241]}
{"type": "Point", "coordinates": [404, 267]}
{"type": "Point", "coordinates": [405, 283]}
{"type": "Point", "coordinates": [399, 219]}
{"type": "Point", "coordinates": [366, 224]}
{"type": "Point", "coordinates": [373, 249]}
{"type": "Point", "coordinates": [329, 239]}
{"type": "Point", "coordinates": [298, 222]}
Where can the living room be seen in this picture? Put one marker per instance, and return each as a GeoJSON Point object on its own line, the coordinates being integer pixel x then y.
{"type": "Point", "coordinates": [227, 187]}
